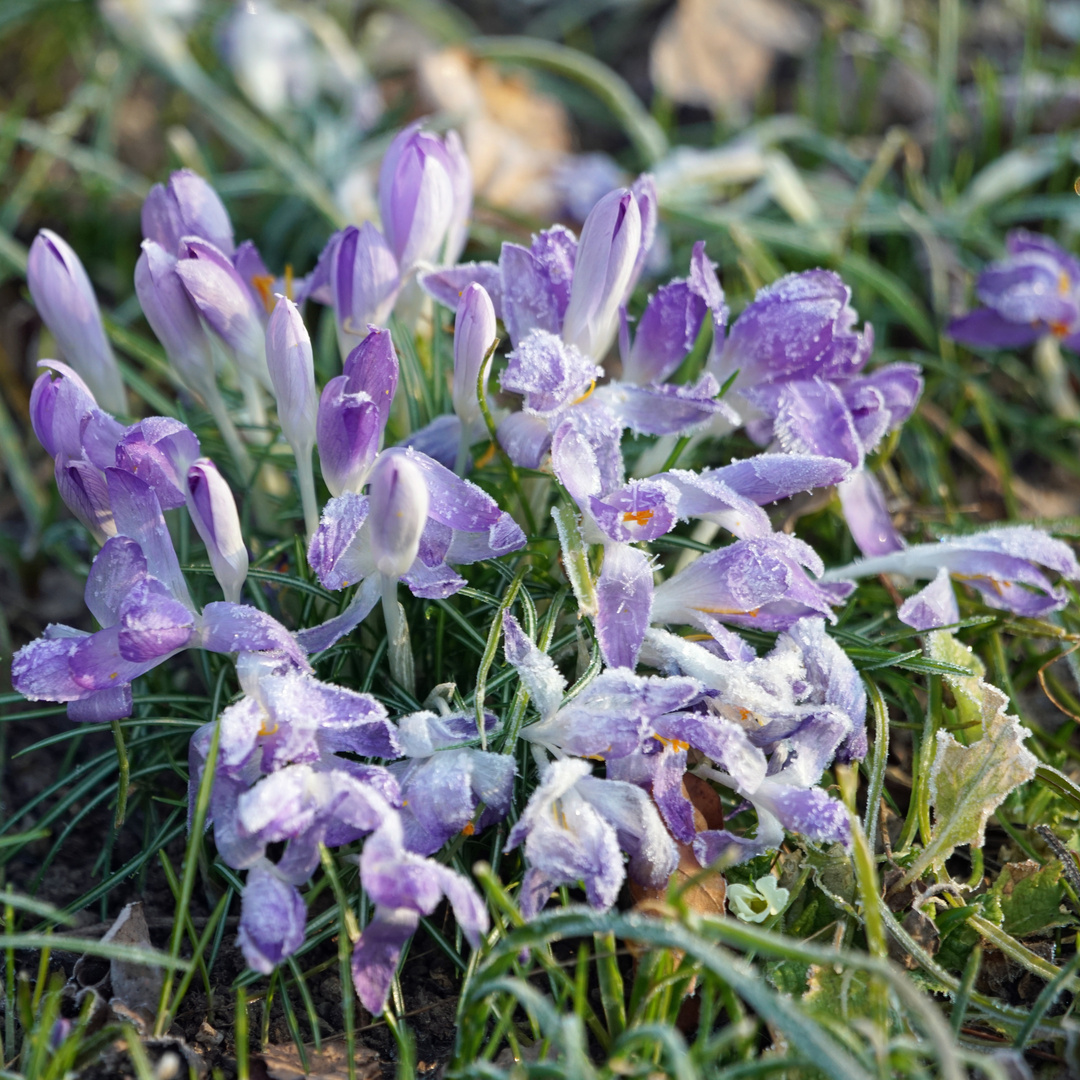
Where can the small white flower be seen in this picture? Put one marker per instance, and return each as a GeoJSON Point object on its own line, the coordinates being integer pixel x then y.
{"type": "Point", "coordinates": [755, 903]}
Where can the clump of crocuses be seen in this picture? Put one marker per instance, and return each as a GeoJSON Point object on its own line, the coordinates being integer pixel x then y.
{"type": "Point", "coordinates": [304, 765]}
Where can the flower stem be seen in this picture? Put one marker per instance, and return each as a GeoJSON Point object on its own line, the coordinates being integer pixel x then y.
{"type": "Point", "coordinates": [125, 772]}
{"type": "Point", "coordinates": [398, 647]}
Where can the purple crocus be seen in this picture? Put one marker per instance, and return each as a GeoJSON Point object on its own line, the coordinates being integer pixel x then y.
{"type": "Point", "coordinates": [444, 779]}
{"type": "Point", "coordinates": [420, 187]}
{"type": "Point", "coordinates": [65, 299]}
{"type": "Point", "coordinates": [404, 886]}
{"type": "Point", "coordinates": [364, 282]}
{"type": "Point", "coordinates": [353, 412]}
{"type": "Point", "coordinates": [760, 582]}
{"type": "Point", "coordinates": [463, 525]}
{"type": "Point", "coordinates": [1034, 290]}
{"type": "Point", "coordinates": [138, 595]}
{"type": "Point", "coordinates": [213, 513]}
{"type": "Point", "coordinates": [291, 366]}
{"type": "Point", "coordinates": [272, 918]}
{"type": "Point", "coordinates": [186, 206]}
{"type": "Point", "coordinates": [1002, 564]}
{"type": "Point", "coordinates": [576, 827]}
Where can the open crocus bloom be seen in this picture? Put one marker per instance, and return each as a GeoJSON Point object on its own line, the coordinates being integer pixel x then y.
{"type": "Point", "coordinates": [1034, 290]}
{"type": "Point", "coordinates": [1002, 564]}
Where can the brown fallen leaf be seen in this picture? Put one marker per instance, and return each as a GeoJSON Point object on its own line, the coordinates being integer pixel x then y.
{"type": "Point", "coordinates": [515, 137]}
{"type": "Point", "coordinates": [718, 53]}
{"type": "Point", "coordinates": [330, 1063]}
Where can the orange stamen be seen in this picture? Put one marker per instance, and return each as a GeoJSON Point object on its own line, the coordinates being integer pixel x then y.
{"type": "Point", "coordinates": [264, 283]}
{"type": "Point", "coordinates": [1064, 283]}
{"type": "Point", "coordinates": [486, 456]}
{"type": "Point", "coordinates": [469, 829]}
{"type": "Point", "coordinates": [638, 517]}
{"type": "Point", "coordinates": [288, 281]}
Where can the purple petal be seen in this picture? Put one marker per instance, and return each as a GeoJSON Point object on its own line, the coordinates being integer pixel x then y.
{"type": "Point", "coordinates": [102, 706]}
{"type": "Point", "coordinates": [228, 628]}
{"type": "Point", "coordinates": [453, 501]}
{"type": "Point", "coordinates": [152, 623]}
{"type": "Point", "coordinates": [667, 409]}
{"type": "Point", "coordinates": [447, 285]}
{"type": "Point", "coordinates": [272, 920]}
{"type": "Point", "coordinates": [525, 437]}
{"type": "Point", "coordinates": [376, 954]}
{"type": "Point", "coordinates": [536, 669]}
{"type": "Point", "coordinates": [548, 373]}
{"type": "Point", "coordinates": [624, 595]}
{"type": "Point", "coordinates": [867, 516]}
{"type": "Point", "coordinates": [986, 329]}
{"type": "Point", "coordinates": [317, 638]}
{"type": "Point", "coordinates": [117, 568]}
{"type": "Point", "coordinates": [86, 495]}
{"type": "Point", "coordinates": [529, 302]}
{"type": "Point", "coordinates": [811, 417]}
{"type": "Point", "coordinates": [159, 451]}
{"type": "Point", "coordinates": [342, 519]}
{"type": "Point", "coordinates": [41, 671]}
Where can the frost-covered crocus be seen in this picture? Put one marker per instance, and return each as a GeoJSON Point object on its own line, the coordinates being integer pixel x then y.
{"type": "Point", "coordinates": [462, 525]}
{"type": "Point", "coordinates": [353, 411]}
{"type": "Point", "coordinates": [404, 886]}
{"type": "Point", "coordinates": [292, 374]}
{"type": "Point", "coordinates": [423, 197]}
{"type": "Point", "coordinates": [137, 593]}
{"type": "Point", "coordinates": [1034, 290]}
{"type": "Point", "coordinates": [768, 728]}
{"type": "Point", "coordinates": [576, 827]}
{"type": "Point", "coordinates": [797, 360]}
{"type": "Point", "coordinates": [759, 582]}
{"type": "Point", "coordinates": [213, 513]}
{"type": "Point", "coordinates": [446, 777]}
{"type": "Point", "coordinates": [65, 299]}
{"type": "Point", "coordinates": [186, 206]}
{"type": "Point", "coordinates": [1001, 564]}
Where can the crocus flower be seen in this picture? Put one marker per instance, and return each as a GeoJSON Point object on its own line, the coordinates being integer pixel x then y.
{"type": "Point", "coordinates": [353, 412]}
{"type": "Point", "coordinates": [463, 525]}
{"type": "Point", "coordinates": [187, 206]}
{"type": "Point", "coordinates": [474, 336]}
{"type": "Point", "coordinates": [444, 779]}
{"type": "Point", "coordinates": [760, 582]}
{"type": "Point", "coordinates": [575, 828]}
{"type": "Point", "coordinates": [138, 594]}
{"type": "Point", "coordinates": [292, 374]}
{"type": "Point", "coordinates": [1034, 290]}
{"type": "Point", "coordinates": [404, 886]}
{"type": "Point", "coordinates": [65, 299]}
{"type": "Point", "coordinates": [222, 298]}
{"type": "Point", "coordinates": [755, 903]}
{"type": "Point", "coordinates": [418, 188]}
{"type": "Point", "coordinates": [1001, 564]}
{"type": "Point", "coordinates": [214, 515]}
{"type": "Point", "coordinates": [364, 282]}
{"type": "Point", "coordinates": [174, 319]}
{"type": "Point", "coordinates": [610, 718]}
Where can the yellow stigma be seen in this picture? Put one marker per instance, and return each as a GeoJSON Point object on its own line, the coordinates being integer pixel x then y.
{"type": "Point", "coordinates": [638, 517]}
{"type": "Point", "coordinates": [264, 283]}
{"type": "Point", "coordinates": [586, 395]}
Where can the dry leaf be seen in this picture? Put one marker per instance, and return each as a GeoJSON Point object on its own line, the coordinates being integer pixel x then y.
{"type": "Point", "coordinates": [515, 137]}
{"type": "Point", "coordinates": [331, 1063]}
{"type": "Point", "coordinates": [718, 53]}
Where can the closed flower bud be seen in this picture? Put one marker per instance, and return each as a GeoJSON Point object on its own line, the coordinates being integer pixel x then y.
{"type": "Point", "coordinates": [462, 183]}
{"type": "Point", "coordinates": [292, 372]}
{"type": "Point", "coordinates": [474, 334]}
{"type": "Point", "coordinates": [416, 196]}
{"type": "Point", "coordinates": [213, 512]}
{"type": "Point", "coordinates": [606, 259]}
{"type": "Point", "coordinates": [363, 282]}
{"type": "Point", "coordinates": [188, 206]}
{"type": "Point", "coordinates": [398, 499]}
{"type": "Point", "coordinates": [173, 318]}
{"type": "Point", "coordinates": [57, 407]}
{"type": "Point", "coordinates": [224, 301]}
{"type": "Point", "coordinates": [65, 298]}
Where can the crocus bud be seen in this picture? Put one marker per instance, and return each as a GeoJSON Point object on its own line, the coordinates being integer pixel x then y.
{"type": "Point", "coordinates": [648, 202]}
{"type": "Point", "coordinates": [213, 511]}
{"type": "Point", "coordinates": [606, 256]}
{"type": "Point", "coordinates": [65, 298]}
{"type": "Point", "coordinates": [57, 407]}
{"type": "Point", "coordinates": [173, 318]}
{"type": "Point", "coordinates": [461, 181]}
{"type": "Point", "coordinates": [364, 283]}
{"type": "Point", "coordinates": [416, 196]}
{"type": "Point", "coordinates": [189, 206]}
{"type": "Point", "coordinates": [223, 300]}
{"type": "Point", "coordinates": [474, 334]}
{"type": "Point", "coordinates": [292, 372]}
{"type": "Point", "coordinates": [398, 500]}
{"type": "Point", "coordinates": [353, 411]}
